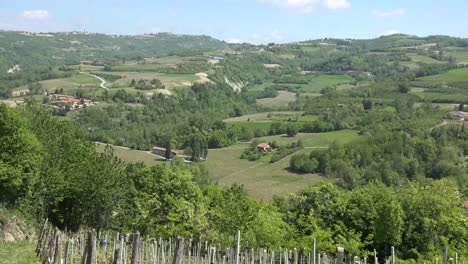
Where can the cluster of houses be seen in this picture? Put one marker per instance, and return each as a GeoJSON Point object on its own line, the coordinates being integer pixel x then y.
{"type": "Point", "coordinates": [62, 101]}
{"type": "Point", "coordinates": [175, 153]}
{"type": "Point", "coordinates": [461, 115]}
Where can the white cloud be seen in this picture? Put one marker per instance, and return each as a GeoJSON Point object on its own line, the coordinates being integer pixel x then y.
{"type": "Point", "coordinates": [307, 6]}
{"type": "Point", "coordinates": [233, 40]}
{"type": "Point", "coordinates": [35, 14]}
{"type": "Point", "coordinates": [336, 4]}
{"type": "Point", "coordinates": [390, 32]}
{"type": "Point", "coordinates": [393, 13]}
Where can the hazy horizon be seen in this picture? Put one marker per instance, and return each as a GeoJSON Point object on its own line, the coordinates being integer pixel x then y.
{"type": "Point", "coordinates": [235, 21]}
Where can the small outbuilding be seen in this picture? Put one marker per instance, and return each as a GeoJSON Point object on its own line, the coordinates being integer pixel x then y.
{"type": "Point", "coordinates": [263, 147]}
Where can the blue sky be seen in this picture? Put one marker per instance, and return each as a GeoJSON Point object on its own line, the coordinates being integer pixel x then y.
{"type": "Point", "coordinates": [255, 21]}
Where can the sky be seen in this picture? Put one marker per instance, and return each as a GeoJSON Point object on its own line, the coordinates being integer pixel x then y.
{"type": "Point", "coordinates": [253, 21]}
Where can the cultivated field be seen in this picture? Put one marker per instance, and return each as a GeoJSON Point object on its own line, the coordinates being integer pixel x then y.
{"type": "Point", "coordinates": [322, 81]}
{"type": "Point", "coordinates": [130, 155]}
{"type": "Point", "coordinates": [423, 59]}
{"type": "Point", "coordinates": [456, 75]}
{"type": "Point", "coordinates": [264, 121]}
{"type": "Point", "coordinates": [282, 100]}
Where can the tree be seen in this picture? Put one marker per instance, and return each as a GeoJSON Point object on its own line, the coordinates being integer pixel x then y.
{"type": "Point", "coordinates": [21, 156]}
{"type": "Point", "coordinates": [163, 201]}
{"type": "Point", "coordinates": [292, 130]}
{"type": "Point", "coordinates": [107, 68]}
{"type": "Point", "coordinates": [367, 104]}
{"type": "Point", "coordinates": [461, 107]}
{"type": "Point", "coordinates": [168, 153]}
{"type": "Point", "coordinates": [403, 88]}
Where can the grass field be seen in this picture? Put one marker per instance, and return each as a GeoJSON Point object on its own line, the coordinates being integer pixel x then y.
{"type": "Point", "coordinates": [130, 155]}
{"type": "Point", "coordinates": [170, 81]}
{"type": "Point", "coordinates": [18, 253]}
{"type": "Point", "coordinates": [282, 100]}
{"type": "Point", "coordinates": [263, 121]}
{"type": "Point", "coordinates": [444, 97]}
{"type": "Point", "coordinates": [322, 81]}
{"type": "Point", "coordinates": [315, 140]}
{"type": "Point", "coordinates": [461, 56]}
{"type": "Point", "coordinates": [82, 79]}
{"type": "Point", "coordinates": [423, 59]}
{"type": "Point", "coordinates": [456, 75]}
{"type": "Point", "coordinates": [262, 180]}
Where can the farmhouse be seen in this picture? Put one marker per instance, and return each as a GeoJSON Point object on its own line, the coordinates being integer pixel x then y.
{"type": "Point", "coordinates": [263, 147]}
{"type": "Point", "coordinates": [461, 115]}
{"type": "Point", "coordinates": [162, 152]}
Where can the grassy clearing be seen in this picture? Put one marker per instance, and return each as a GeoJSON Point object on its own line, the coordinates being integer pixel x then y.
{"type": "Point", "coordinates": [424, 59]}
{"type": "Point", "coordinates": [136, 67]}
{"type": "Point", "coordinates": [82, 79]}
{"type": "Point", "coordinates": [262, 180]}
{"type": "Point", "coordinates": [263, 121]}
{"type": "Point", "coordinates": [262, 125]}
{"type": "Point", "coordinates": [446, 98]}
{"type": "Point", "coordinates": [461, 56]}
{"type": "Point", "coordinates": [170, 81]}
{"type": "Point", "coordinates": [456, 75]}
{"type": "Point", "coordinates": [322, 81]}
{"type": "Point", "coordinates": [87, 67]}
{"type": "Point", "coordinates": [282, 100]}
{"type": "Point", "coordinates": [447, 107]}
{"type": "Point", "coordinates": [130, 155]}
{"type": "Point", "coordinates": [18, 253]}
{"type": "Point", "coordinates": [315, 140]}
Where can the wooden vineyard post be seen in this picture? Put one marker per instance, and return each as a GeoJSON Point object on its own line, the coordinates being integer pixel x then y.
{"type": "Point", "coordinates": [189, 251]}
{"type": "Point", "coordinates": [41, 237]}
{"type": "Point", "coordinates": [313, 255]}
{"type": "Point", "coordinates": [339, 255]}
{"type": "Point", "coordinates": [238, 247]}
{"type": "Point", "coordinates": [178, 251]}
{"type": "Point", "coordinates": [57, 249]}
{"type": "Point", "coordinates": [65, 255]}
{"type": "Point", "coordinates": [280, 256]}
{"type": "Point", "coordinates": [445, 255]}
{"type": "Point", "coordinates": [115, 259]}
{"type": "Point", "coordinates": [89, 251]}
{"type": "Point", "coordinates": [136, 244]}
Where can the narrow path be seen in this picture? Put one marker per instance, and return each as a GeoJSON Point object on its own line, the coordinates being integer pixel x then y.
{"type": "Point", "coordinates": [103, 82]}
